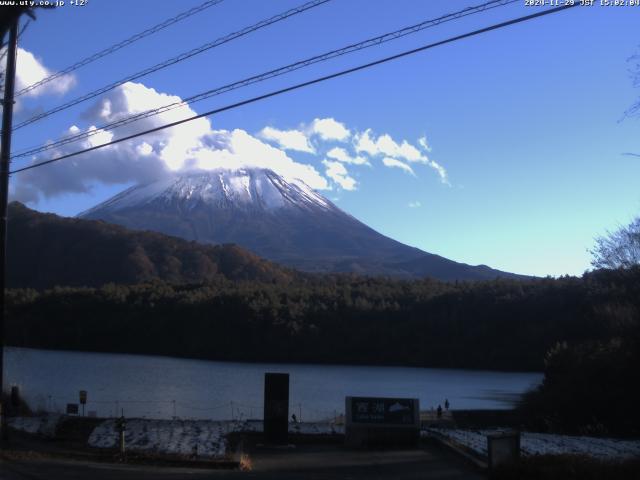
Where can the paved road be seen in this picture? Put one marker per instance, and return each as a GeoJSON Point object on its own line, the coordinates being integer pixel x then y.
{"type": "Point", "coordinates": [309, 463]}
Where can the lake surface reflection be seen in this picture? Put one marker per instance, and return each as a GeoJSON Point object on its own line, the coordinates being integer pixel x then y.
{"type": "Point", "coordinates": [163, 387]}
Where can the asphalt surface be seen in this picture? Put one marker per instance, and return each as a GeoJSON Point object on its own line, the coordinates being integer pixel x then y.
{"type": "Point", "coordinates": [306, 462]}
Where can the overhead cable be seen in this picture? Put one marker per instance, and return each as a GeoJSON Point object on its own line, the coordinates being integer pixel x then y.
{"type": "Point", "coordinates": [303, 84]}
{"type": "Point", "coordinates": [114, 48]}
{"type": "Point", "coordinates": [174, 60]}
{"type": "Point", "coordinates": [371, 42]}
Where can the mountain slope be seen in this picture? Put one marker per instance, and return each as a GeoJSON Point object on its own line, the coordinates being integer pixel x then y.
{"type": "Point", "coordinates": [45, 250]}
{"type": "Point", "coordinates": [285, 222]}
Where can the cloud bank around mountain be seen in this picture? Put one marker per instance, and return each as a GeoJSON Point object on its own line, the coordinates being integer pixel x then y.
{"type": "Point", "coordinates": [327, 153]}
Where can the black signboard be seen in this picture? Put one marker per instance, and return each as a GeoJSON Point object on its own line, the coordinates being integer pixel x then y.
{"type": "Point", "coordinates": [384, 411]}
{"type": "Point", "coordinates": [72, 408]}
{"type": "Point", "coordinates": [15, 396]}
{"type": "Point", "coordinates": [276, 408]}
{"type": "Point", "coordinates": [83, 397]}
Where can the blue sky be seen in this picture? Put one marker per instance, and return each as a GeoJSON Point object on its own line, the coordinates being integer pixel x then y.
{"type": "Point", "coordinates": [527, 121]}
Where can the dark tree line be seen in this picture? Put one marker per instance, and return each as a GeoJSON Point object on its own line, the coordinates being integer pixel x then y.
{"type": "Point", "coordinates": [502, 324]}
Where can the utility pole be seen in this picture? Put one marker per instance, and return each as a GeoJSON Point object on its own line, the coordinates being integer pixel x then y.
{"type": "Point", "coordinates": [5, 153]}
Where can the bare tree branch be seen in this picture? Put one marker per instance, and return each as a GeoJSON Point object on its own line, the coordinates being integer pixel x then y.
{"type": "Point", "coordinates": [619, 249]}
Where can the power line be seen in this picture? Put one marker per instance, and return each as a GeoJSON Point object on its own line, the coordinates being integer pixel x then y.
{"type": "Point", "coordinates": [304, 84]}
{"type": "Point", "coordinates": [122, 44]}
{"type": "Point", "coordinates": [176, 59]}
{"type": "Point", "coordinates": [371, 42]}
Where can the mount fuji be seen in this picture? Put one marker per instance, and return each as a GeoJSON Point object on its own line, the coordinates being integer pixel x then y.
{"type": "Point", "coordinates": [283, 221]}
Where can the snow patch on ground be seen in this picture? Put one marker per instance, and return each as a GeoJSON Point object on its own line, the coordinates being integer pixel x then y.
{"type": "Point", "coordinates": [547, 444]}
{"type": "Point", "coordinates": [183, 436]}
{"type": "Point", "coordinates": [44, 425]}
{"type": "Point", "coordinates": [165, 436]}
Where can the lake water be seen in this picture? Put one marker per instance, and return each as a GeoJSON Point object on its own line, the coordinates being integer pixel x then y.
{"type": "Point", "coordinates": [163, 387]}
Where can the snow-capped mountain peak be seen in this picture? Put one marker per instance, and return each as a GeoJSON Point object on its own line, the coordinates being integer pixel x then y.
{"type": "Point", "coordinates": [254, 189]}
{"type": "Point", "coordinates": [284, 221]}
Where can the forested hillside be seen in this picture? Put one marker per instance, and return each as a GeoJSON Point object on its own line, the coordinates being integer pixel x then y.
{"type": "Point", "coordinates": [45, 250]}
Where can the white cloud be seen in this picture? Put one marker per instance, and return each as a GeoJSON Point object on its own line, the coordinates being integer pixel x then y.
{"type": "Point", "coordinates": [100, 137]}
{"type": "Point", "coordinates": [342, 155]}
{"type": "Point", "coordinates": [178, 148]}
{"type": "Point", "coordinates": [395, 163]}
{"type": "Point", "coordinates": [144, 149]}
{"type": "Point", "coordinates": [385, 145]}
{"type": "Point", "coordinates": [396, 154]}
{"type": "Point", "coordinates": [424, 144]}
{"type": "Point", "coordinates": [192, 145]}
{"type": "Point", "coordinates": [288, 139]}
{"type": "Point", "coordinates": [30, 70]}
{"type": "Point", "coordinates": [197, 145]}
{"type": "Point", "coordinates": [408, 151]}
{"type": "Point", "coordinates": [330, 129]}
{"type": "Point", "coordinates": [364, 143]}
{"type": "Point", "coordinates": [244, 150]}
{"type": "Point", "coordinates": [337, 172]}
{"type": "Point", "coordinates": [441, 171]}
{"type": "Point", "coordinates": [415, 204]}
